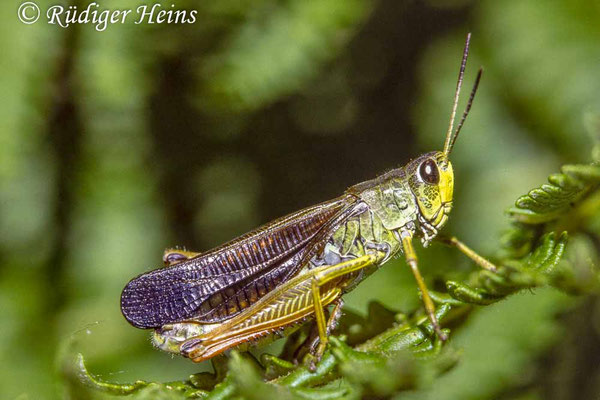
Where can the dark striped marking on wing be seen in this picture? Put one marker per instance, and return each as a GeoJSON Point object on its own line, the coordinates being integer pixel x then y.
{"type": "Point", "coordinates": [235, 298]}
{"type": "Point", "coordinates": [174, 294]}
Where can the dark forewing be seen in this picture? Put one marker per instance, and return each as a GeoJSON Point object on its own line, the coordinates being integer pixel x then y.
{"type": "Point", "coordinates": [270, 253]}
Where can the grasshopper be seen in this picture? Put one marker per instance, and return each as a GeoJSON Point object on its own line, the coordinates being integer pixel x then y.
{"type": "Point", "coordinates": [271, 280]}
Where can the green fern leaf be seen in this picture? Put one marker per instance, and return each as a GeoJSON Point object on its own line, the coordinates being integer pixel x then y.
{"type": "Point", "coordinates": [553, 200]}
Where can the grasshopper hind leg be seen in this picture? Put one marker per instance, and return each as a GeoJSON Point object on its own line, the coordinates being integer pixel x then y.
{"type": "Point", "coordinates": [318, 281]}
{"type": "Point", "coordinates": [290, 303]}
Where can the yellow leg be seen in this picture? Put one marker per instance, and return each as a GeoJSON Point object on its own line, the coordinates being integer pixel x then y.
{"type": "Point", "coordinates": [411, 259]}
{"type": "Point", "coordinates": [482, 262]}
{"type": "Point", "coordinates": [319, 315]}
{"type": "Point", "coordinates": [174, 256]}
{"type": "Point", "coordinates": [325, 276]}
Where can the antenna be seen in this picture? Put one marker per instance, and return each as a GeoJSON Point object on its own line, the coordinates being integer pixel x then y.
{"type": "Point", "coordinates": [465, 113]}
{"type": "Point", "coordinates": [450, 135]}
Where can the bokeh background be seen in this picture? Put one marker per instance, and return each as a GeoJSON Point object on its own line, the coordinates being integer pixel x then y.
{"type": "Point", "coordinates": [115, 145]}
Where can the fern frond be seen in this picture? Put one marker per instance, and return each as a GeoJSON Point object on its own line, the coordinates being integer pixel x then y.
{"type": "Point", "coordinates": [555, 199]}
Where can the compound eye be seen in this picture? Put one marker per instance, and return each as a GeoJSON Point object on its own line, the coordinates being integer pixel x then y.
{"type": "Point", "coordinates": [429, 172]}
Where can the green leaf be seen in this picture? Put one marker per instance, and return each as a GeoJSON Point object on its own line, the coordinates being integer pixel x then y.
{"type": "Point", "coordinates": [142, 389]}
{"type": "Point", "coordinates": [552, 201]}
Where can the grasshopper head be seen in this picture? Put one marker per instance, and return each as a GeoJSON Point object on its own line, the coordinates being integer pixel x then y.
{"type": "Point", "coordinates": [431, 177]}
{"type": "Point", "coordinates": [431, 180]}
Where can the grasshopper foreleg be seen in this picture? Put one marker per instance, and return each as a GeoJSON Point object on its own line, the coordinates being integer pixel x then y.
{"type": "Point", "coordinates": [411, 259]}
{"type": "Point", "coordinates": [477, 259]}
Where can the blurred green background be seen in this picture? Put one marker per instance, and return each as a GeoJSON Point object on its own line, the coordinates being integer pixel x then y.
{"type": "Point", "coordinates": [117, 144]}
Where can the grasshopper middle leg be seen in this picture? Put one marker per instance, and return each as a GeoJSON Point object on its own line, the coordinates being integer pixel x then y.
{"type": "Point", "coordinates": [313, 340]}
